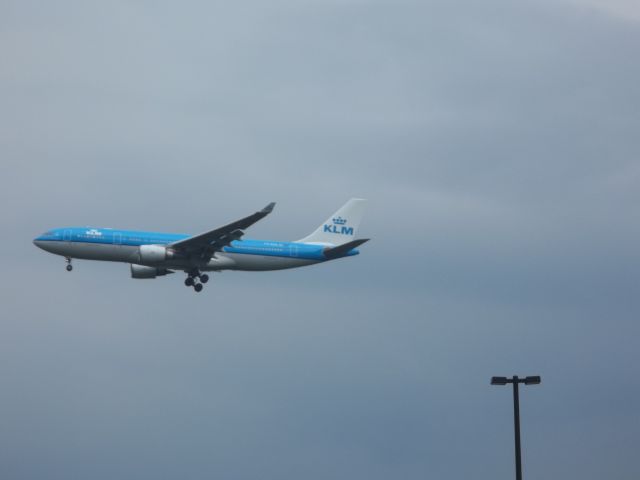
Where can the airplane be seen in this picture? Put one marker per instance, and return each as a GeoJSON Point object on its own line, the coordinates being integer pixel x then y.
{"type": "Point", "coordinates": [154, 254]}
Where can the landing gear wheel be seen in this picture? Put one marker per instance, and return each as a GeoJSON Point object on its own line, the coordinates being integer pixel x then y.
{"type": "Point", "coordinates": [198, 287]}
{"type": "Point", "coordinates": [189, 281]}
{"type": "Point", "coordinates": [69, 267]}
{"type": "Point", "coordinates": [204, 278]}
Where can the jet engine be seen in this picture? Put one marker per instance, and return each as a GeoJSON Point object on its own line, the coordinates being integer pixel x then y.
{"type": "Point", "coordinates": [141, 271]}
{"type": "Point", "coordinates": [154, 253]}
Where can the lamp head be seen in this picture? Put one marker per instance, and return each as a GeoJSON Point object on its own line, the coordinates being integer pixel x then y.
{"type": "Point", "coordinates": [498, 380]}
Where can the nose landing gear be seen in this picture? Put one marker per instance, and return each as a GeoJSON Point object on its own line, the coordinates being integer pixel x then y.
{"type": "Point", "coordinates": [69, 266]}
{"type": "Point", "coordinates": [196, 280]}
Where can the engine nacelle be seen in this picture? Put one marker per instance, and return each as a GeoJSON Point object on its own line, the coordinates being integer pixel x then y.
{"type": "Point", "coordinates": [142, 271]}
{"type": "Point", "coordinates": [154, 253]}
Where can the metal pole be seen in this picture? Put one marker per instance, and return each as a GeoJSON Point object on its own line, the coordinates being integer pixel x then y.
{"type": "Point", "coordinates": [516, 421]}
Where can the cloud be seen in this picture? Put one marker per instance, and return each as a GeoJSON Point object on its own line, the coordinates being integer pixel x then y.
{"type": "Point", "coordinates": [627, 10]}
{"type": "Point", "coordinates": [496, 143]}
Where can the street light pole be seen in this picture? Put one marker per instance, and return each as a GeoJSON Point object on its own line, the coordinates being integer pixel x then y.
{"type": "Point", "coordinates": [516, 411]}
{"type": "Point", "coordinates": [516, 423]}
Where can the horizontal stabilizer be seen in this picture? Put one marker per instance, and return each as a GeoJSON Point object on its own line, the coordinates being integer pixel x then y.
{"type": "Point", "coordinates": [341, 250]}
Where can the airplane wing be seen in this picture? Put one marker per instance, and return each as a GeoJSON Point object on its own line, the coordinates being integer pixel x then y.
{"type": "Point", "coordinates": [206, 244]}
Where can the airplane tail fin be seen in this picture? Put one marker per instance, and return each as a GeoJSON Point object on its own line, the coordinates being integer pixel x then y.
{"type": "Point", "coordinates": [341, 227]}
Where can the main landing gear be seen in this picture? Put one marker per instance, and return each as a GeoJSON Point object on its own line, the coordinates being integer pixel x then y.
{"type": "Point", "coordinates": [196, 280]}
{"type": "Point", "coordinates": [69, 266]}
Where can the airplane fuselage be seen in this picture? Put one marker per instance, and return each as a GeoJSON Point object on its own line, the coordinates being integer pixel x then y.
{"type": "Point", "coordinates": [124, 246]}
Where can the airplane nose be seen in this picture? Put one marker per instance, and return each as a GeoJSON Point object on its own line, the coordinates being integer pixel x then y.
{"type": "Point", "coordinates": [37, 243]}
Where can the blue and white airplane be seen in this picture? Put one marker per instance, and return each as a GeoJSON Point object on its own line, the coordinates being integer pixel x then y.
{"type": "Point", "coordinates": [153, 254]}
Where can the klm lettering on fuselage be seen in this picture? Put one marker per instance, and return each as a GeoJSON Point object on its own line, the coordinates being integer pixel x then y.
{"type": "Point", "coordinates": [339, 227]}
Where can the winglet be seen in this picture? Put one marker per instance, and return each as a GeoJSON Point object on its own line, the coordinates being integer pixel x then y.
{"type": "Point", "coordinates": [268, 208]}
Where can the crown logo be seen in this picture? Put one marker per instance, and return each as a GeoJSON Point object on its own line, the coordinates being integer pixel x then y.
{"type": "Point", "coordinates": [339, 221]}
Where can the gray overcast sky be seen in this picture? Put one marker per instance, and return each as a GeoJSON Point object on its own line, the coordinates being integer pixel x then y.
{"type": "Point", "coordinates": [498, 144]}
